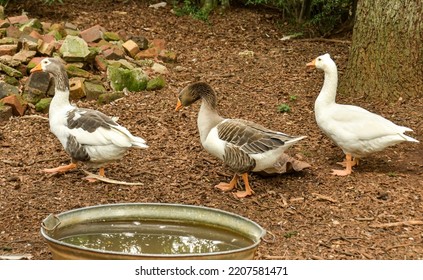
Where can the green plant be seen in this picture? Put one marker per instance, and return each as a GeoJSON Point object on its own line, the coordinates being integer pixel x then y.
{"type": "Point", "coordinates": [392, 174]}
{"type": "Point", "coordinates": [284, 108]}
{"type": "Point", "coordinates": [49, 2]}
{"type": "Point", "coordinates": [328, 14]}
{"type": "Point", "coordinates": [321, 15]}
{"type": "Point", "coordinates": [292, 98]}
{"type": "Point", "coordinates": [290, 234]}
{"type": "Point", "coordinates": [190, 8]}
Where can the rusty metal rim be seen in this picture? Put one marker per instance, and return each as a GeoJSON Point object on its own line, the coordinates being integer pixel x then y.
{"type": "Point", "coordinates": [79, 248]}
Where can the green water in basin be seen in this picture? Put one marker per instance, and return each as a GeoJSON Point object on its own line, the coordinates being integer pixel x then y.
{"type": "Point", "coordinates": [153, 238]}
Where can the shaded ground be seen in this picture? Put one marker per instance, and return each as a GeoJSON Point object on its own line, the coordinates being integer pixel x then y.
{"type": "Point", "coordinates": [312, 214]}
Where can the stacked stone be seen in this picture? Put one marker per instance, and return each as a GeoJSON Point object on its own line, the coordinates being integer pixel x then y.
{"type": "Point", "coordinates": [100, 64]}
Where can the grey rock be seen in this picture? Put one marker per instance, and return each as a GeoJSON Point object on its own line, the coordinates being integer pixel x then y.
{"type": "Point", "coordinates": [6, 89]}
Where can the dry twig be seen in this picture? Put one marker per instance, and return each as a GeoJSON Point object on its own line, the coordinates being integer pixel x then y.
{"type": "Point", "coordinates": [110, 181]}
{"type": "Point", "coordinates": [325, 40]}
{"type": "Point", "coordinates": [397, 224]}
{"type": "Point", "coordinates": [324, 197]}
{"type": "Point", "coordinates": [268, 257]}
{"type": "Point", "coordinates": [16, 257]}
{"type": "Point", "coordinates": [363, 219]}
{"type": "Point", "coordinates": [399, 246]}
{"type": "Point", "coordinates": [34, 117]}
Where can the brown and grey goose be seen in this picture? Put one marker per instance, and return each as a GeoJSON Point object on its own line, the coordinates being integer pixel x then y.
{"type": "Point", "coordinates": [242, 145]}
{"type": "Point", "coordinates": [87, 135]}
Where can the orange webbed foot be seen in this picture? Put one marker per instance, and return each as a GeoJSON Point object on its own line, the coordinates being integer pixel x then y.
{"type": "Point", "coordinates": [348, 163]}
{"type": "Point", "coordinates": [224, 186]}
{"type": "Point", "coordinates": [344, 172]}
{"type": "Point", "coordinates": [227, 187]}
{"type": "Point", "coordinates": [248, 191]}
{"type": "Point", "coordinates": [60, 169]}
{"type": "Point", "coordinates": [242, 194]}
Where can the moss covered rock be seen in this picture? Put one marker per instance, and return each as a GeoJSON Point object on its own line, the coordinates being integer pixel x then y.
{"type": "Point", "coordinates": [132, 79]}
{"type": "Point", "coordinates": [93, 90]}
{"type": "Point", "coordinates": [74, 49]}
{"type": "Point", "coordinates": [156, 83]}
{"type": "Point", "coordinates": [111, 36]}
{"type": "Point", "coordinates": [109, 97]}
{"type": "Point", "coordinates": [10, 71]}
{"type": "Point", "coordinates": [75, 71]}
{"type": "Point", "coordinates": [43, 105]}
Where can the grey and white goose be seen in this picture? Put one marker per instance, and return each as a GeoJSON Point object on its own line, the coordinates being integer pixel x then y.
{"type": "Point", "coordinates": [242, 145]}
{"type": "Point", "coordinates": [87, 135]}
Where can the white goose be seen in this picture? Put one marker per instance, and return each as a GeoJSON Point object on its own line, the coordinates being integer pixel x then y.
{"type": "Point", "coordinates": [355, 130]}
{"type": "Point", "coordinates": [242, 145]}
{"type": "Point", "coordinates": [87, 135]}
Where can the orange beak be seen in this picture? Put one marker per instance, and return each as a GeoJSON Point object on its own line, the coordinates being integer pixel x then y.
{"type": "Point", "coordinates": [178, 105]}
{"type": "Point", "coordinates": [37, 68]}
{"type": "Point", "coordinates": [311, 64]}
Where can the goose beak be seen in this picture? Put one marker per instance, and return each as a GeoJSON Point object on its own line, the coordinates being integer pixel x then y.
{"type": "Point", "coordinates": [37, 68]}
{"type": "Point", "coordinates": [178, 105]}
{"type": "Point", "coordinates": [311, 64]}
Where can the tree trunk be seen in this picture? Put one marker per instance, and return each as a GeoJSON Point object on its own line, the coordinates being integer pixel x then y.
{"type": "Point", "coordinates": [208, 6]}
{"type": "Point", "coordinates": [386, 56]}
{"type": "Point", "coordinates": [305, 11]}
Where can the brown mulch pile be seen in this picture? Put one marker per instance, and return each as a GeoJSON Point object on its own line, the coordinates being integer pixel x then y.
{"type": "Point", "coordinates": [311, 214]}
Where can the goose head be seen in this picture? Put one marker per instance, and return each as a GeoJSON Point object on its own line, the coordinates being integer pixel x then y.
{"type": "Point", "coordinates": [194, 92]}
{"type": "Point", "coordinates": [56, 68]}
{"type": "Point", "coordinates": [49, 65]}
{"type": "Point", "coordinates": [323, 62]}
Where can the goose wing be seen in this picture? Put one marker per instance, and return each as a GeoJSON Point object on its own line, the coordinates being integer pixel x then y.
{"type": "Point", "coordinates": [91, 127]}
{"type": "Point", "coordinates": [249, 137]}
{"type": "Point", "coordinates": [363, 124]}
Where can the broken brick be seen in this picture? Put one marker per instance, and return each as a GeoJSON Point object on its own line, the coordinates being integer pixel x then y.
{"type": "Point", "coordinates": [167, 56]}
{"type": "Point", "coordinates": [113, 53]}
{"type": "Point", "coordinates": [148, 53]}
{"type": "Point", "coordinates": [8, 49]}
{"type": "Point", "coordinates": [18, 19]}
{"type": "Point", "coordinates": [76, 88]}
{"type": "Point", "coordinates": [100, 63]}
{"type": "Point", "coordinates": [92, 34]}
{"type": "Point", "coordinates": [131, 48]}
{"type": "Point", "coordinates": [17, 104]}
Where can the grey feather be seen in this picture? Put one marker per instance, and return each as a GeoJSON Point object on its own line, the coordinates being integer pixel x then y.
{"type": "Point", "coordinates": [251, 138]}
{"type": "Point", "coordinates": [237, 160]}
{"type": "Point", "coordinates": [76, 150]}
{"type": "Point", "coordinates": [89, 120]}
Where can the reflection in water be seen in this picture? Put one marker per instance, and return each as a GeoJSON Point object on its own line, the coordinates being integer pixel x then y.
{"type": "Point", "coordinates": [147, 238]}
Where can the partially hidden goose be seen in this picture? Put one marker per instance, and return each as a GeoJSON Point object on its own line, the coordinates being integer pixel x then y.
{"type": "Point", "coordinates": [355, 130]}
{"type": "Point", "coordinates": [242, 145]}
{"type": "Point", "coordinates": [88, 136]}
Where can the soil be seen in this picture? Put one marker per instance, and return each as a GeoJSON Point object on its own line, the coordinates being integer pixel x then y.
{"type": "Point", "coordinates": [309, 214]}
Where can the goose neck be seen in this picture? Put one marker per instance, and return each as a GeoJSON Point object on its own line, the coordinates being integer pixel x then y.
{"type": "Point", "coordinates": [328, 92]}
{"type": "Point", "coordinates": [61, 89]}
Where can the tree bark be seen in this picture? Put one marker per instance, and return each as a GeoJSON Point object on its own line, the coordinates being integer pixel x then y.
{"type": "Point", "coordinates": [386, 56]}
{"type": "Point", "coordinates": [305, 11]}
{"type": "Point", "coordinates": [208, 6]}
